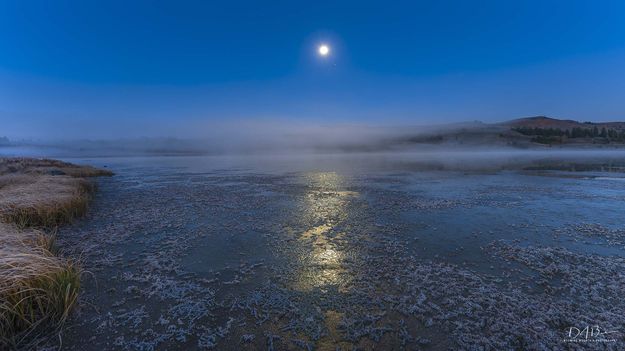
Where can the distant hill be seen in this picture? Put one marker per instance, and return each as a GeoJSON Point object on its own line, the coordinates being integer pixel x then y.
{"type": "Point", "coordinates": [563, 124]}
{"type": "Point", "coordinates": [529, 132]}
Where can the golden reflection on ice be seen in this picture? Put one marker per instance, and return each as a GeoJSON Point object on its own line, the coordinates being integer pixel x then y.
{"type": "Point", "coordinates": [325, 207]}
{"type": "Point", "coordinates": [316, 231]}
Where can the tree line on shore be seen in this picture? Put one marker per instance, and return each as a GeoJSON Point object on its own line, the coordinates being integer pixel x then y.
{"type": "Point", "coordinates": [555, 135]}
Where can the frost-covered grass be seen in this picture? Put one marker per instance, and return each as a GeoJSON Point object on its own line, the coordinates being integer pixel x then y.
{"type": "Point", "coordinates": [42, 200]}
{"type": "Point", "coordinates": [37, 288]}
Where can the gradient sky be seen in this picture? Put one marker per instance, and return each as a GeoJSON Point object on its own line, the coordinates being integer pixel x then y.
{"type": "Point", "coordinates": [131, 68]}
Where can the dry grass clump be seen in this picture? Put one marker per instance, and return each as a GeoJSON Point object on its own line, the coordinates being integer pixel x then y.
{"type": "Point", "coordinates": [37, 288]}
{"type": "Point", "coordinates": [46, 201]}
{"type": "Point", "coordinates": [44, 193]}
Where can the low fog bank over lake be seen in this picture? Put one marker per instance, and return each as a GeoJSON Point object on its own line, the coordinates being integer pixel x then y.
{"type": "Point", "coordinates": [426, 158]}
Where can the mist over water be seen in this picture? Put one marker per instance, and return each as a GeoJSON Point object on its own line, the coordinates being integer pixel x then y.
{"type": "Point", "coordinates": [476, 160]}
{"type": "Point", "coordinates": [275, 146]}
{"type": "Point", "coordinates": [243, 136]}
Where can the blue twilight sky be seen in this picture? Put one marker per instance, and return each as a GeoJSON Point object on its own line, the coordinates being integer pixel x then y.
{"type": "Point", "coordinates": [133, 68]}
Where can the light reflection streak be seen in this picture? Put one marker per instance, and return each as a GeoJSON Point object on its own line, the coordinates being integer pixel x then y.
{"type": "Point", "coordinates": [325, 207]}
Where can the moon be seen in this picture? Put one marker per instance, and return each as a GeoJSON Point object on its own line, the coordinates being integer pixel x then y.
{"type": "Point", "coordinates": [324, 50]}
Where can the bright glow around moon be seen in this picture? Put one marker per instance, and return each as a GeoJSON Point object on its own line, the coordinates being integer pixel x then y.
{"type": "Point", "coordinates": [324, 50]}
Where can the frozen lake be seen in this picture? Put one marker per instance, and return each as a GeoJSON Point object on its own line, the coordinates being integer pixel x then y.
{"type": "Point", "coordinates": [350, 252]}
